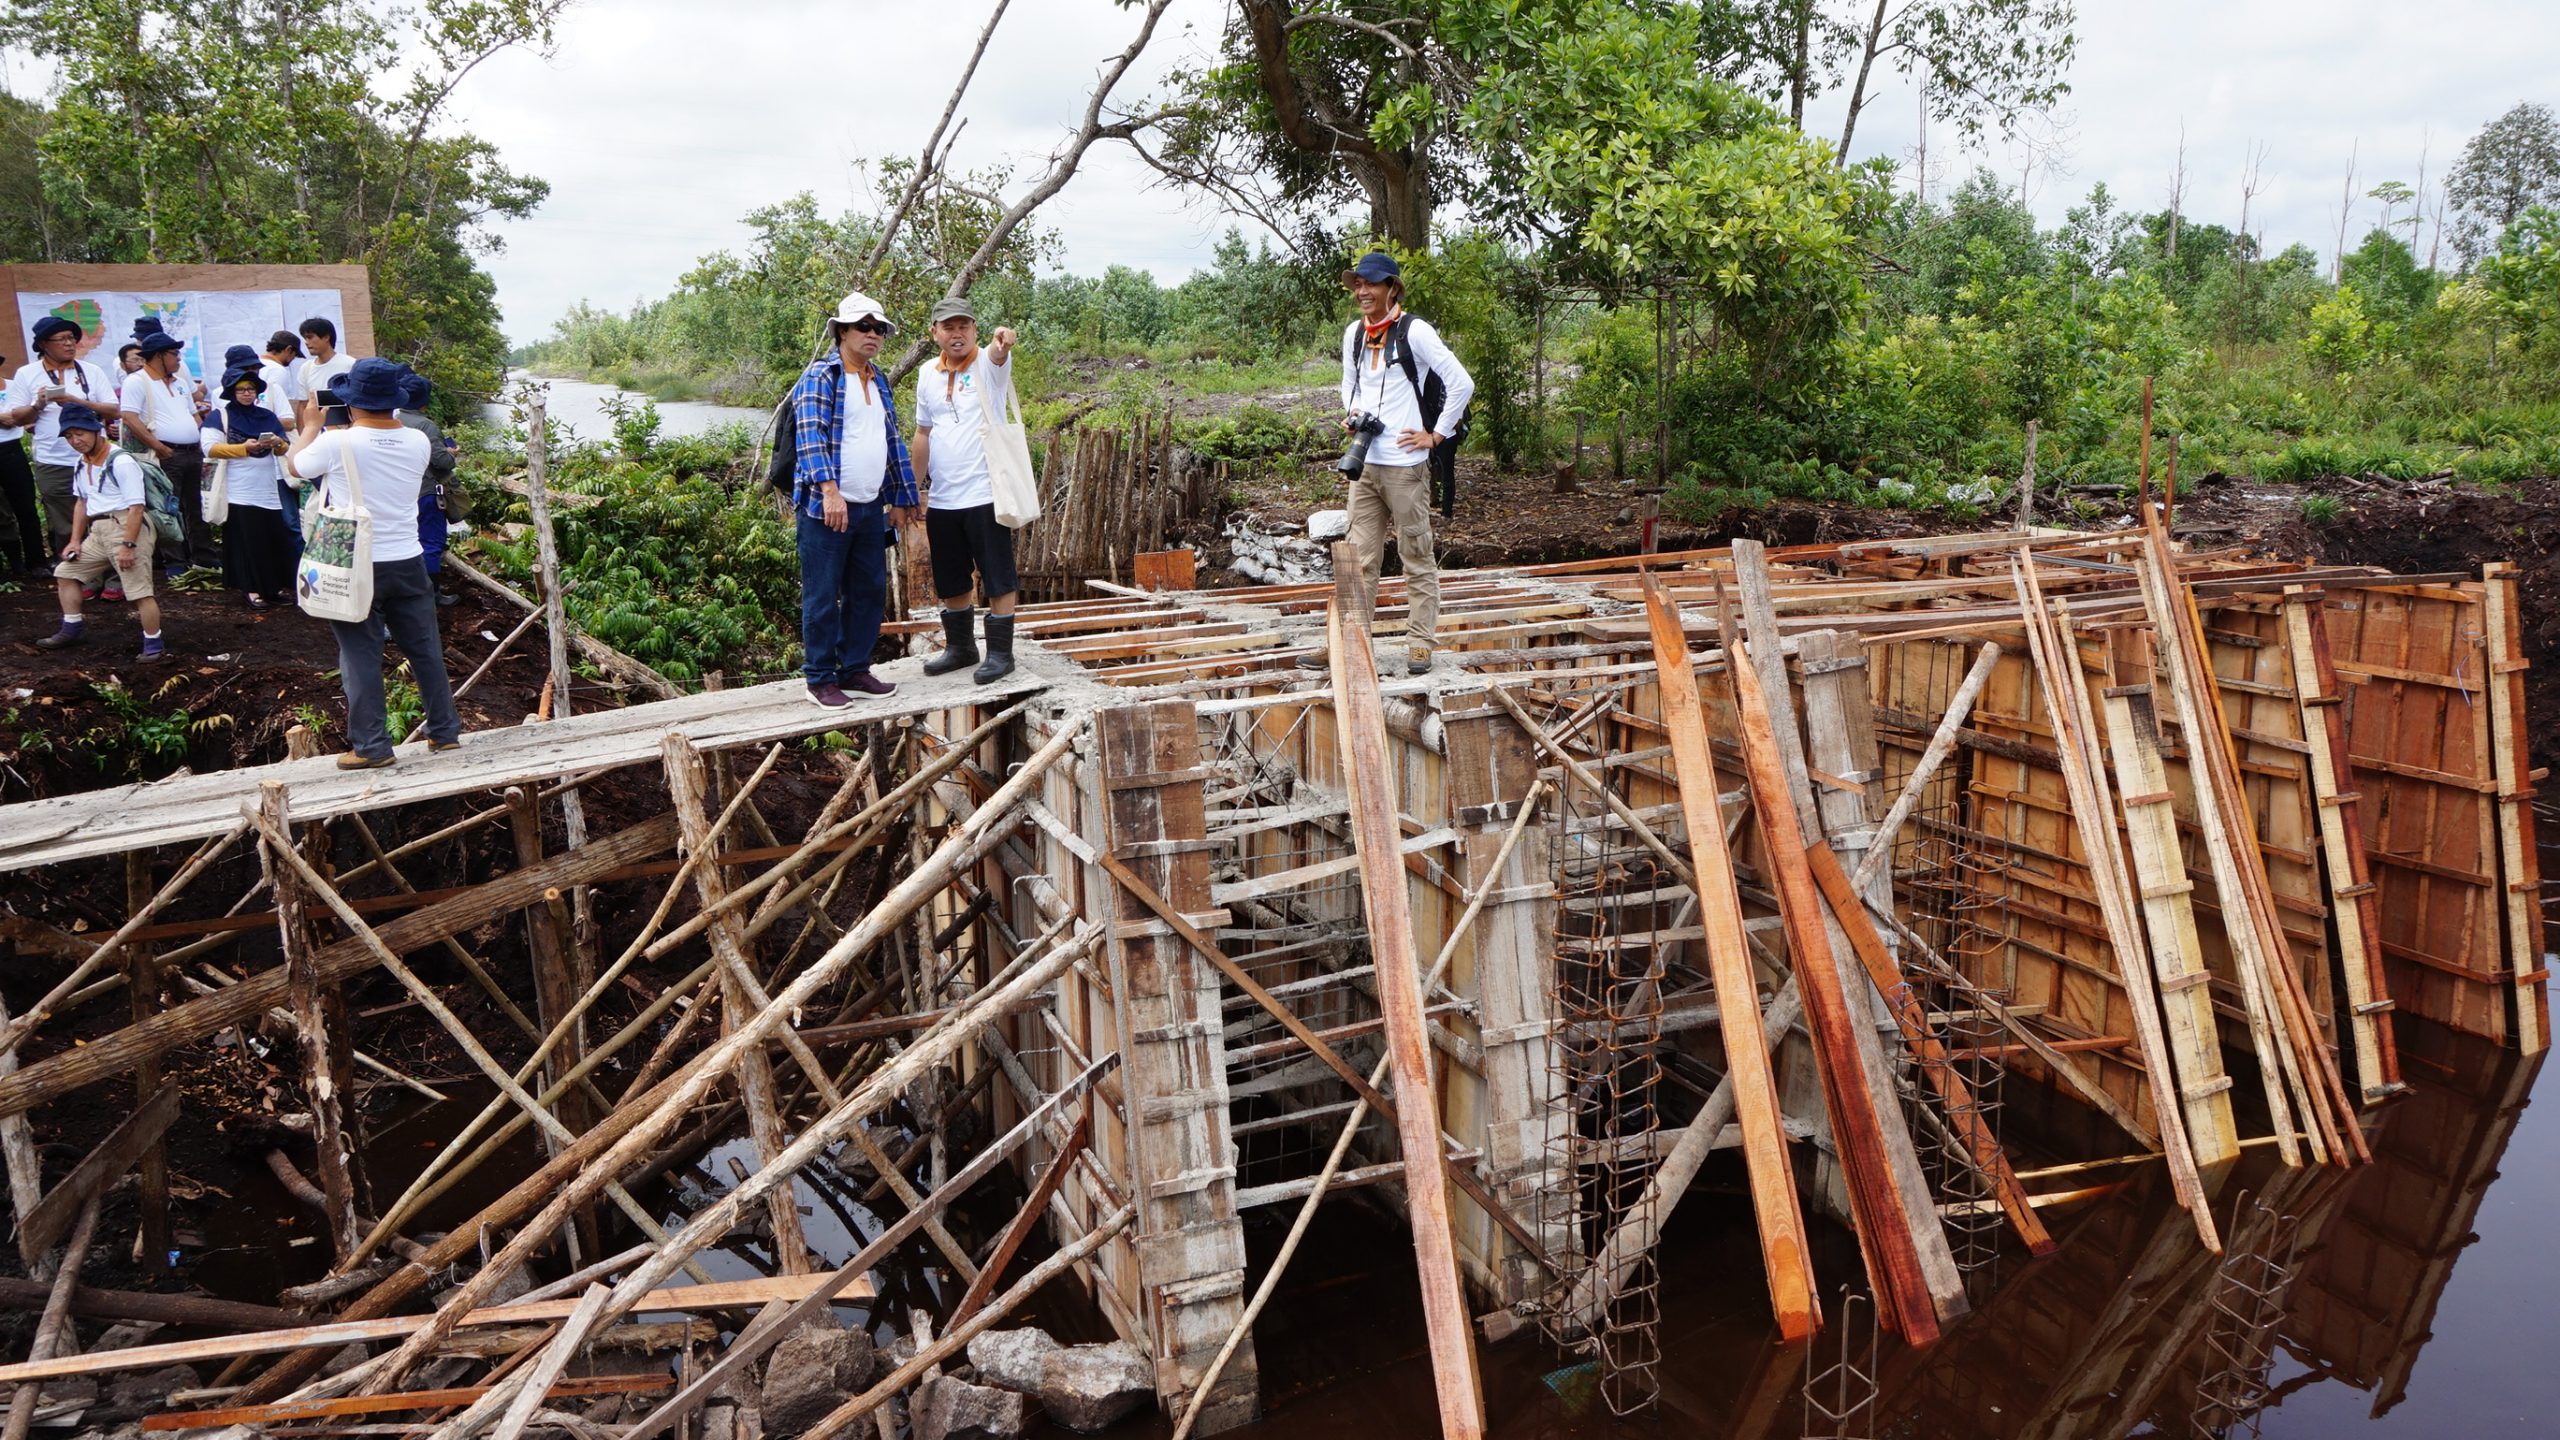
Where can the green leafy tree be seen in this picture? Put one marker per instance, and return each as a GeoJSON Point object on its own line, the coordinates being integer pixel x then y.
{"type": "Point", "coordinates": [2512, 165]}
{"type": "Point", "coordinates": [294, 131]}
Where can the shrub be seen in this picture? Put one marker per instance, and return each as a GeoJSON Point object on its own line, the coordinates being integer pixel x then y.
{"type": "Point", "coordinates": [2323, 509]}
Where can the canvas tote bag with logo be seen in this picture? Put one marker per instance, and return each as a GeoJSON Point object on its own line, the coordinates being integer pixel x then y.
{"type": "Point", "coordinates": [1008, 446]}
{"type": "Point", "coordinates": [335, 579]}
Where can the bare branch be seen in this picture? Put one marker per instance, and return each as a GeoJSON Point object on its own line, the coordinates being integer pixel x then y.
{"type": "Point", "coordinates": [1366, 27]}
{"type": "Point", "coordinates": [1061, 170]}
{"type": "Point", "coordinates": [929, 163]}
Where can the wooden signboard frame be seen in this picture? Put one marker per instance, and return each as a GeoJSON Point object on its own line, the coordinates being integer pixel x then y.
{"type": "Point", "coordinates": [354, 284]}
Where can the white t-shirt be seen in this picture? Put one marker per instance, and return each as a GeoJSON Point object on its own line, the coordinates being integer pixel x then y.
{"type": "Point", "coordinates": [317, 375]}
{"type": "Point", "coordinates": [111, 489]}
{"type": "Point", "coordinates": [391, 466]}
{"type": "Point", "coordinates": [82, 377]}
{"type": "Point", "coordinates": [283, 388]}
{"type": "Point", "coordinates": [1375, 382]}
{"type": "Point", "coordinates": [950, 406]}
{"type": "Point", "coordinates": [170, 404]}
{"type": "Point", "coordinates": [251, 480]}
{"type": "Point", "coordinates": [862, 449]}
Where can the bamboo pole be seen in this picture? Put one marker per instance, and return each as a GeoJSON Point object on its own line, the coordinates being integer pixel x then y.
{"type": "Point", "coordinates": [53, 1328]}
{"type": "Point", "coordinates": [659, 1114]}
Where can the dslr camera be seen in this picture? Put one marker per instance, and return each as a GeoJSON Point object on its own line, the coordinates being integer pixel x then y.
{"type": "Point", "coordinates": [1364, 427]}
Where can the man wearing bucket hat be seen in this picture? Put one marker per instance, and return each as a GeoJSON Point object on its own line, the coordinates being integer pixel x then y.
{"type": "Point", "coordinates": [159, 406]}
{"type": "Point", "coordinates": [1388, 359]}
{"type": "Point", "coordinates": [972, 551]}
{"type": "Point", "coordinates": [385, 462]}
{"type": "Point", "coordinates": [113, 531]}
{"type": "Point", "coordinates": [849, 468]}
{"type": "Point", "coordinates": [35, 398]}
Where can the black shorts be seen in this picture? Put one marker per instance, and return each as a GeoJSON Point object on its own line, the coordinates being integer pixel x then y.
{"type": "Point", "coordinates": [970, 547]}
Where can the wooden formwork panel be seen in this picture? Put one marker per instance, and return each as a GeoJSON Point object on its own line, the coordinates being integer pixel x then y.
{"type": "Point", "coordinates": [2414, 666]}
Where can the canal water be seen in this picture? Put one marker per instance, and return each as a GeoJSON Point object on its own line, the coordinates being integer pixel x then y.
{"type": "Point", "coordinates": [584, 408]}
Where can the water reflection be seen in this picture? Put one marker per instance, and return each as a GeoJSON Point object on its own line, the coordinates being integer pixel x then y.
{"type": "Point", "coordinates": [583, 408]}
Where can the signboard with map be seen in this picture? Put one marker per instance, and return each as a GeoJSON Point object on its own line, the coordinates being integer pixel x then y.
{"type": "Point", "coordinates": [209, 307]}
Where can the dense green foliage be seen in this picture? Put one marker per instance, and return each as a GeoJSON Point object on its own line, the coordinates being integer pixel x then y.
{"type": "Point", "coordinates": [678, 565]}
{"type": "Point", "coordinates": [303, 131]}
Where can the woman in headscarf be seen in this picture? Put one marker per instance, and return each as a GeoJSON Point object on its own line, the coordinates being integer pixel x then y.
{"type": "Point", "coordinates": [259, 554]}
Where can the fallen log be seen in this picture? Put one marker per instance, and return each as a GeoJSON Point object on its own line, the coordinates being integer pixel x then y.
{"type": "Point", "coordinates": [94, 1303]}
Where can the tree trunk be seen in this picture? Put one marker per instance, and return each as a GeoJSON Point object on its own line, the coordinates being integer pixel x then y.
{"type": "Point", "coordinates": [1858, 92]}
{"type": "Point", "coordinates": [1801, 69]}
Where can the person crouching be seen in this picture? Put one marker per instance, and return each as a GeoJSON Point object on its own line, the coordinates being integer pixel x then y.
{"type": "Point", "coordinates": [385, 462]}
{"type": "Point", "coordinates": [110, 531]}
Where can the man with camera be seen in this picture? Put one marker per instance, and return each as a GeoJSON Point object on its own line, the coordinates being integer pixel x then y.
{"type": "Point", "coordinates": [1390, 361]}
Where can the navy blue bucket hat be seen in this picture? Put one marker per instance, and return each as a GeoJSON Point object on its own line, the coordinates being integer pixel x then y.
{"type": "Point", "coordinates": [373, 384]}
{"type": "Point", "coordinates": [76, 416]}
{"type": "Point", "coordinates": [52, 325]}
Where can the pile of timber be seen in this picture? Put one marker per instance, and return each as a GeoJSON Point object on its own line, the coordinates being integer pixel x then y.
{"type": "Point", "coordinates": [1107, 497]}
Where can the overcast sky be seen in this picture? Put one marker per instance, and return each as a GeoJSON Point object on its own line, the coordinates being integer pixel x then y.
{"type": "Point", "coordinates": [658, 124]}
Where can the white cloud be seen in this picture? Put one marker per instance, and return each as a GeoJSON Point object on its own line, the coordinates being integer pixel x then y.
{"type": "Point", "coordinates": [658, 124]}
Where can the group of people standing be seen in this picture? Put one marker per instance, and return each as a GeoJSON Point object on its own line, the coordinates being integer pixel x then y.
{"type": "Point", "coordinates": [854, 473]}
{"type": "Point", "coordinates": [301, 415]}
{"type": "Point", "coordinates": [1404, 395]}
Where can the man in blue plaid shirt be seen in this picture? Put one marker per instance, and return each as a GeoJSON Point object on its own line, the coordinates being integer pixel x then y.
{"type": "Point", "coordinates": [850, 465]}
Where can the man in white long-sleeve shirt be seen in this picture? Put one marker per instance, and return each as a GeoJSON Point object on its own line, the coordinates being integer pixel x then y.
{"type": "Point", "coordinates": [1389, 359]}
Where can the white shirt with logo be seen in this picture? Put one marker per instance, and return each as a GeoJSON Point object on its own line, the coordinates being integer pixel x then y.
{"type": "Point", "coordinates": [170, 405]}
{"type": "Point", "coordinates": [390, 468]}
{"type": "Point", "coordinates": [952, 408]}
{"type": "Point", "coordinates": [251, 480]}
{"type": "Point", "coordinates": [87, 383]}
{"type": "Point", "coordinates": [110, 489]}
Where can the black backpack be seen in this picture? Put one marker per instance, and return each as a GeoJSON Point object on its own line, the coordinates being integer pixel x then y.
{"type": "Point", "coordinates": [786, 448]}
{"type": "Point", "coordinates": [1433, 394]}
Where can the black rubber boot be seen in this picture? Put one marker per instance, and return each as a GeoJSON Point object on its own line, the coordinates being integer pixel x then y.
{"type": "Point", "coordinates": [999, 662]}
{"type": "Point", "coordinates": [959, 642]}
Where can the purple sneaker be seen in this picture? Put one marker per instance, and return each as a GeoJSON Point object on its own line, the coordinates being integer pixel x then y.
{"type": "Point", "coordinates": [868, 684]}
{"type": "Point", "coordinates": [829, 696]}
{"type": "Point", "coordinates": [154, 647]}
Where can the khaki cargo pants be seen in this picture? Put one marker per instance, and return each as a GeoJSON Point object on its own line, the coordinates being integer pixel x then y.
{"type": "Point", "coordinates": [1398, 498]}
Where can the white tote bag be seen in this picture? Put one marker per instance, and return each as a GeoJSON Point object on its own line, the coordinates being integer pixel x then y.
{"type": "Point", "coordinates": [1008, 447]}
{"type": "Point", "coordinates": [334, 581]}
{"type": "Point", "coordinates": [217, 492]}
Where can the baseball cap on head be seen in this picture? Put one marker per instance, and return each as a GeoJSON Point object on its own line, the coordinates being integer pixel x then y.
{"type": "Point", "coordinates": [858, 306]}
{"type": "Point", "coordinates": [955, 308]}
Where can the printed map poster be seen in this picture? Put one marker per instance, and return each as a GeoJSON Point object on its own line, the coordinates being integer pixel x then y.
{"type": "Point", "coordinates": [207, 322]}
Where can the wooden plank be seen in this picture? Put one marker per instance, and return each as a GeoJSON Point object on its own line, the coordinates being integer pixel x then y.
{"type": "Point", "coordinates": [2519, 864]}
{"type": "Point", "coordinates": [1785, 1257]}
{"type": "Point", "coordinates": [2353, 898]}
{"type": "Point", "coordinates": [2066, 697]}
{"type": "Point", "coordinates": [320, 1029]}
{"type": "Point", "coordinates": [1884, 1231]}
{"type": "Point", "coordinates": [192, 807]}
{"type": "Point", "coordinates": [1840, 739]}
{"type": "Point", "coordinates": [2177, 957]}
{"type": "Point", "coordinates": [1962, 1115]}
{"type": "Point", "coordinates": [1361, 735]}
{"type": "Point", "coordinates": [570, 1388]}
{"type": "Point", "coordinates": [722, 1295]}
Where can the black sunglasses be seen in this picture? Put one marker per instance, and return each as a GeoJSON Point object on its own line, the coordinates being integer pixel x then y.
{"type": "Point", "coordinates": [870, 327]}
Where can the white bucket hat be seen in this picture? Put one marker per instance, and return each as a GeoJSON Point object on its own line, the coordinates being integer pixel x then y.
{"type": "Point", "coordinates": [858, 306]}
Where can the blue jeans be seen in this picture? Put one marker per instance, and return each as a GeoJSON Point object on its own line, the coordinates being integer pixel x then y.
{"type": "Point", "coordinates": [404, 611]}
{"type": "Point", "coordinates": [844, 590]}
